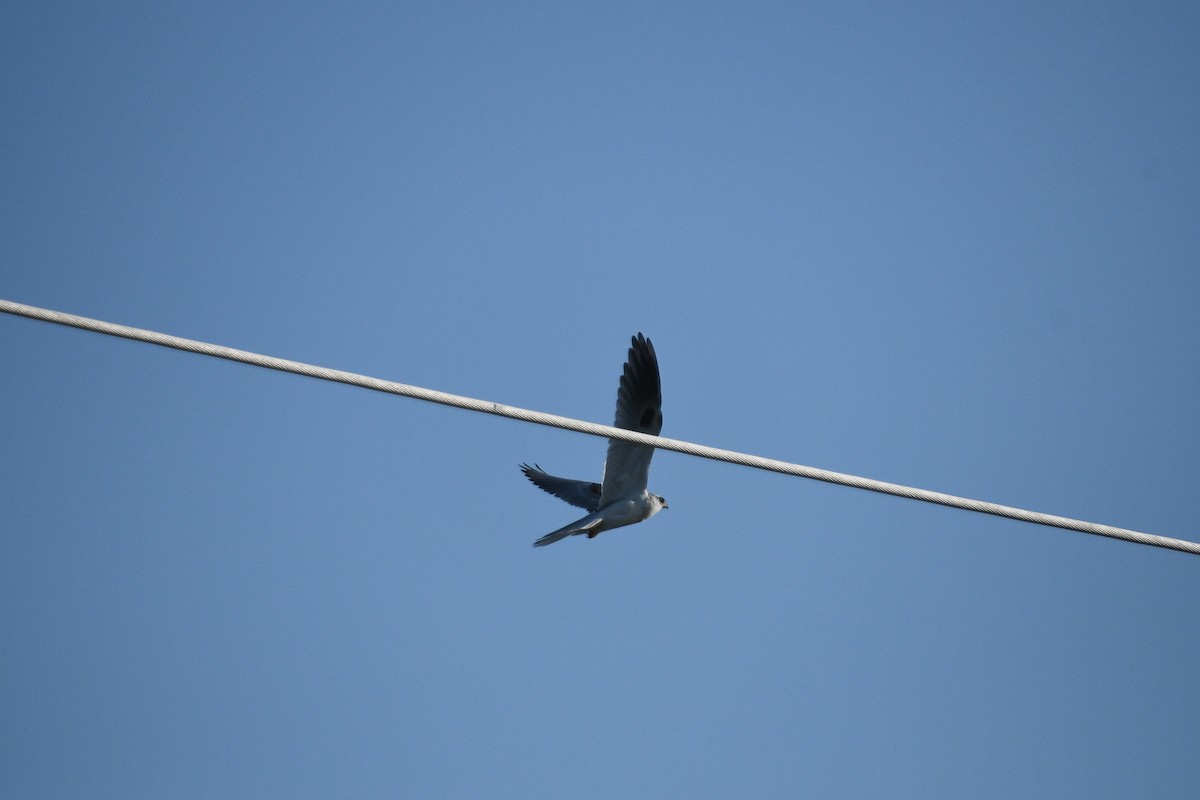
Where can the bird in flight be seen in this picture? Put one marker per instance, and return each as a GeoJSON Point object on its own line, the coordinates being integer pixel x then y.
{"type": "Point", "coordinates": [621, 497]}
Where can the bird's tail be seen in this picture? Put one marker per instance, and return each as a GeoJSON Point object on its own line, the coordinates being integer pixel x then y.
{"type": "Point", "coordinates": [584, 525]}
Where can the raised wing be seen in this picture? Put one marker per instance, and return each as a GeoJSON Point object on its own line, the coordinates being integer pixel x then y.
{"type": "Point", "coordinates": [639, 408]}
{"type": "Point", "coordinates": [584, 494]}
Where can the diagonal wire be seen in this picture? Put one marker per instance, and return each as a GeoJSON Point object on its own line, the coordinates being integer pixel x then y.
{"type": "Point", "coordinates": [593, 429]}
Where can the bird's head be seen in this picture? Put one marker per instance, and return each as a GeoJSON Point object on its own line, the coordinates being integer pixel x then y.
{"type": "Point", "coordinates": [661, 500]}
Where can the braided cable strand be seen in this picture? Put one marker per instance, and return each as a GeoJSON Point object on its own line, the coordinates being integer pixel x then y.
{"type": "Point", "coordinates": [593, 429]}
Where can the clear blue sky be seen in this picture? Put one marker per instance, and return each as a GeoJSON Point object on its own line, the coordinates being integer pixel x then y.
{"type": "Point", "coordinates": [950, 247]}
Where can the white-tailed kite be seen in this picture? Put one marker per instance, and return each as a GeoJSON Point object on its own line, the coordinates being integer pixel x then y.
{"type": "Point", "coordinates": [621, 498]}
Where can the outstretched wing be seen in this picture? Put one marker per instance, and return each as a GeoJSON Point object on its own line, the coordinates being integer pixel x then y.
{"type": "Point", "coordinates": [639, 408]}
{"type": "Point", "coordinates": [584, 494]}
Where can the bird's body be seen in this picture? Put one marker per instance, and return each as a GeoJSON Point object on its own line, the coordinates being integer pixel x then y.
{"type": "Point", "coordinates": [621, 498]}
{"type": "Point", "coordinates": [614, 515]}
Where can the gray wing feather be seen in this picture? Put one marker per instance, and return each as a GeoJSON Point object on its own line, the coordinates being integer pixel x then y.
{"type": "Point", "coordinates": [639, 408]}
{"type": "Point", "coordinates": [584, 494]}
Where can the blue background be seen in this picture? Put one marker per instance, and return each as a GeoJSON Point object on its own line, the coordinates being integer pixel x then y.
{"type": "Point", "coordinates": [938, 245]}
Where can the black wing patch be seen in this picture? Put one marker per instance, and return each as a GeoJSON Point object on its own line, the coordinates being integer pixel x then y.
{"type": "Point", "coordinates": [639, 398]}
